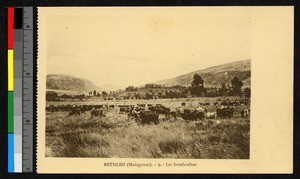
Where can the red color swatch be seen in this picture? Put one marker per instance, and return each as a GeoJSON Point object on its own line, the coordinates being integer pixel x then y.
{"type": "Point", "coordinates": [10, 28]}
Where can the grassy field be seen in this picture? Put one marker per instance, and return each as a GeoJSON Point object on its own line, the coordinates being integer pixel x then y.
{"type": "Point", "coordinates": [117, 136]}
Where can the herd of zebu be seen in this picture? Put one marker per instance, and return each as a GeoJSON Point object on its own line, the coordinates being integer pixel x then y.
{"type": "Point", "coordinates": [149, 113]}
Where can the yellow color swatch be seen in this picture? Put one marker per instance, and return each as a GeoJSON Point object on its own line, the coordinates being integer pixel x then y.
{"type": "Point", "coordinates": [10, 70]}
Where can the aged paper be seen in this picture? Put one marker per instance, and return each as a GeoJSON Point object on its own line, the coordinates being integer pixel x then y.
{"type": "Point", "coordinates": [165, 90]}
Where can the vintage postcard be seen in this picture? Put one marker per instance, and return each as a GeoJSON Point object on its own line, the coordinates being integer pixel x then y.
{"type": "Point", "coordinates": [165, 90]}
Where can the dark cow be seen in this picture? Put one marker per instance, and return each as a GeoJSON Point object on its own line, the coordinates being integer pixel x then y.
{"type": "Point", "coordinates": [65, 108]}
{"type": "Point", "coordinates": [173, 114]}
{"type": "Point", "coordinates": [97, 113]}
{"type": "Point", "coordinates": [160, 109]}
{"type": "Point", "coordinates": [111, 106]}
{"type": "Point", "coordinates": [122, 110]}
{"type": "Point", "coordinates": [192, 115]}
{"type": "Point", "coordinates": [146, 117]}
{"type": "Point", "coordinates": [225, 112]}
{"type": "Point", "coordinates": [74, 111]}
{"type": "Point", "coordinates": [83, 109]}
{"type": "Point", "coordinates": [224, 103]}
{"type": "Point", "coordinates": [99, 106]}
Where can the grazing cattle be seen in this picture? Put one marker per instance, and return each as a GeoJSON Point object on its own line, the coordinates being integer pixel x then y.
{"type": "Point", "coordinates": [97, 113]}
{"type": "Point", "coordinates": [182, 104]}
{"type": "Point", "coordinates": [201, 109]}
{"type": "Point", "coordinates": [74, 111]}
{"type": "Point", "coordinates": [146, 117]}
{"type": "Point", "coordinates": [225, 112]}
{"type": "Point", "coordinates": [177, 112]}
{"type": "Point", "coordinates": [224, 103]}
{"type": "Point", "coordinates": [245, 113]}
{"type": "Point", "coordinates": [129, 109]}
{"type": "Point", "coordinates": [192, 115]}
{"type": "Point", "coordinates": [67, 108]}
{"type": "Point", "coordinates": [125, 109]}
{"type": "Point", "coordinates": [134, 113]}
{"type": "Point", "coordinates": [210, 115]}
{"type": "Point", "coordinates": [111, 106]}
{"type": "Point", "coordinates": [173, 114]}
{"type": "Point", "coordinates": [160, 109]}
{"type": "Point", "coordinates": [98, 106]}
{"type": "Point", "coordinates": [122, 110]}
{"type": "Point", "coordinates": [84, 108]}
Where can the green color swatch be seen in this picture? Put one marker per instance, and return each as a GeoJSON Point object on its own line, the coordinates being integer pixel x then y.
{"type": "Point", "coordinates": [10, 112]}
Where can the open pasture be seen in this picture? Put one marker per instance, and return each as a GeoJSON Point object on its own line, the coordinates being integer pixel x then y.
{"type": "Point", "coordinates": [116, 135]}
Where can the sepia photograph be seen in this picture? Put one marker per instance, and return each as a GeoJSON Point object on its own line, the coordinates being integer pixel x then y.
{"type": "Point", "coordinates": [158, 90]}
{"type": "Point", "coordinates": [165, 89]}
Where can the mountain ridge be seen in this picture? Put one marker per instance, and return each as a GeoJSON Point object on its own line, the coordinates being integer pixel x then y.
{"type": "Point", "coordinates": [212, 76]}
{"type": "Point", "coordinates": [215, 75]}
{"type": "Point", "coordinates": [70, 83]}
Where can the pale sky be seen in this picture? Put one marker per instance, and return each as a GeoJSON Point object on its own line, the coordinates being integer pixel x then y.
{"type": "Point", "coordinates": [134, 46]}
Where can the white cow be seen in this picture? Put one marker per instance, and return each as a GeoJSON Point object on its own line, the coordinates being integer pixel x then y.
{"type": "Point", "coordinates": [210, 115]}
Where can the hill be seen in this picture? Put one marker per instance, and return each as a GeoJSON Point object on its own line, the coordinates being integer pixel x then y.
{"type": "Point", "coordinates": [214, 76]}
{"type": "Point", "coordinates": [70, 84]}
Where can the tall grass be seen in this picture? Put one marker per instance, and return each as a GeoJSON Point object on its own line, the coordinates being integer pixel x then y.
{"type": "Point", "coordinates": [116, 136]}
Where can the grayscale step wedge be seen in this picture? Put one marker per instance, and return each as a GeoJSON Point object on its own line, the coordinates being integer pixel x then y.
{"type": "Point", "coordinates": [27, 88]}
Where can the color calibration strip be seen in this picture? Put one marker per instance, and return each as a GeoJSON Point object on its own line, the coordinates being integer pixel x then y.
{"type": "Point", "coordinates": [20, 89]}
{"type": "Point", "coordinates": [10, 30]}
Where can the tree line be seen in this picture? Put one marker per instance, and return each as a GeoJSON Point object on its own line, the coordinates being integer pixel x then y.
{"type": "Point", "coordinates": [158, 91]}
{"type": "Point", "coordinates": [196, 89]}
{"type": "Point", "coordinates": [234, 89]}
